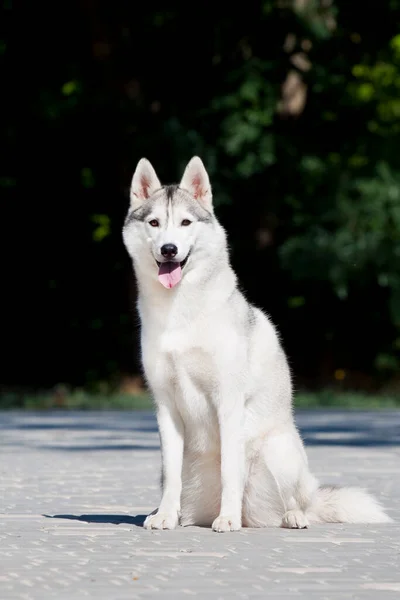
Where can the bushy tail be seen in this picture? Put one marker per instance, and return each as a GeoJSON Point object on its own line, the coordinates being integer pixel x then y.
{"type": "Point", "coordinates": [345, 505]}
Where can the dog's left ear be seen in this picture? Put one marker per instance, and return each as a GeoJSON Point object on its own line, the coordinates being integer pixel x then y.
{"type": "Point", "coordinates": [144, 183]}
{"type": "Point", "coordinates": [196, 181]}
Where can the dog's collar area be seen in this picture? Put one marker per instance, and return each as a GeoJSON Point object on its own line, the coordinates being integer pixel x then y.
{"type": "Point", "coordinates": [182, 264]}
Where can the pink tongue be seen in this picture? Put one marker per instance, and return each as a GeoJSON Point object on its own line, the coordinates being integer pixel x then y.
{"type": "Point", "coordinates": [169, 274]}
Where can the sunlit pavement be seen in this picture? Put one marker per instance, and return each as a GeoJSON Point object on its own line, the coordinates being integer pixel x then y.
{"type": "Point", "coordinates": [74, 489]}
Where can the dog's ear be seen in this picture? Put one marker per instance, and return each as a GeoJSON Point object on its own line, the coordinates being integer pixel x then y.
{"type": "Point", "coordinates": [196, 181]}
{"type": "Point", "coordinates": [144, 183]}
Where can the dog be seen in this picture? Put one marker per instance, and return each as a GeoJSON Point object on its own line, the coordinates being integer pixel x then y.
{"type": "Point", "coordinates": [232, 456]}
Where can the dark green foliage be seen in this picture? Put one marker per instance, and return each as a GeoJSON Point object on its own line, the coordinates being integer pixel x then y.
{"type": "Point", "coordinates": [294, 108]}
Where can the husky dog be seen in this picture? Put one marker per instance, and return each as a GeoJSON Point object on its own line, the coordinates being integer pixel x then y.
{"type": "Point", "coordinates": [231, 453]}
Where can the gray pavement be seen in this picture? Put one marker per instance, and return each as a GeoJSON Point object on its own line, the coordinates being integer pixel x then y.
{"type": "Point", "coordinates": [74, 489]}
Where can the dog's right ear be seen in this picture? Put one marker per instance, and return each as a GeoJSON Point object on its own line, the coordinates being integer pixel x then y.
{"type": "Point", "coordinates": [144, 183]}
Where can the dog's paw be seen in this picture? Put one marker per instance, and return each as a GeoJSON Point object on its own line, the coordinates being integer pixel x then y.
{"type": "Point", "coordinates": [295, 519]}
{"type": "Point", "coordinates": [226, 523]}
{"type": "Point", "coordinates": [161, 520]}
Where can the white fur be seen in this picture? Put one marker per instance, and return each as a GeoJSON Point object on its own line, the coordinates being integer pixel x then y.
{"type": "Point", "coordinates": [196, 181]}
{"type": "Point", "coordinates": [144, 183]}
{"type": "Point", "coordinates": [231, 453]}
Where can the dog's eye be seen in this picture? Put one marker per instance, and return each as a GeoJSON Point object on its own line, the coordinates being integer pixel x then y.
{"type": "Point", "coordinates": [186, 222]}
{"type": "Point", "coordinates": [153, 223]}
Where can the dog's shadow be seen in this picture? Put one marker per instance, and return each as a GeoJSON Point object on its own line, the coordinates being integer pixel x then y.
{"type": "Point", "coordinates": [137, 520]}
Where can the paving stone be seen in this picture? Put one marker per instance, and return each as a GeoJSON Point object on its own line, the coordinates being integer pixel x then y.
{"type": "Point", "coordinates": [75, 487]}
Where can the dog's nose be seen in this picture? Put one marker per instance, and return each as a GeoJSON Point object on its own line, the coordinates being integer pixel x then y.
{"type": "Point", "coordinates": [169, 250]}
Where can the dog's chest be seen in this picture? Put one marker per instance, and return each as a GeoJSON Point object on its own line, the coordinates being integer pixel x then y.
{"type": "Point", "coordinates": [194, 384]}
{"type": "Point", "coordinates": [185, 367]}
{"type": "Point", "coordinates": [190, 363]}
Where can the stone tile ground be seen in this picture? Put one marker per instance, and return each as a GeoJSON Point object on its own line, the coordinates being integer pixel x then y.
{"type": "Point", "coordinates": [74, 488]}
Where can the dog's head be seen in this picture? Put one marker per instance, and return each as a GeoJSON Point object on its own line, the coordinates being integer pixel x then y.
{"type": "Point", "coordinates": [164, 222]}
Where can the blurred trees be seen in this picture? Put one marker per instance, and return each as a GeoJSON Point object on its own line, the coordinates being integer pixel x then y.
{"type": "Point", "coordinates": [294, 107]}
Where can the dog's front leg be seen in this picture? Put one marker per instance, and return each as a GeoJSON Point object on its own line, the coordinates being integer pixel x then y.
{"type": "Point", "coordinates": [171, 436]}
{"type": "Point", "coordinates": [232, 468]}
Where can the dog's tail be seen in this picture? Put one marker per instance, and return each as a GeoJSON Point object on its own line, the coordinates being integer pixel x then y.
{"type": "Point", "coordinates": [345, 505]}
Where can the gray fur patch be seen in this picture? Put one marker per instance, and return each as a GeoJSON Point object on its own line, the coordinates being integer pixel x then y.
{"type": "Point", "coordinates": [177, 195]}
{"type": "Point", "coordinates": [251, 317]}
{"type": "Point", "coordinates": [170, 191]}
{"type": "Point", "coordinates": [139, 214]}
{"type": "Point", "coordinates": [170, 194]}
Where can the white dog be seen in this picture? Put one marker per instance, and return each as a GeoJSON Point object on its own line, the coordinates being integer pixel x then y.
{"type": "Point", "coordinates": [231, 453]}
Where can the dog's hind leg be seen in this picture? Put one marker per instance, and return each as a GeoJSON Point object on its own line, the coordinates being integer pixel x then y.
{"type": "Point", "coordinates": [287, 461]}
{"type": "Point", "coordinates": [280, 487]}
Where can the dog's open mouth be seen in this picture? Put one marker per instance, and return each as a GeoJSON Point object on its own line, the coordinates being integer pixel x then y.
{"type": "Point", "coordinates": [170, 273]}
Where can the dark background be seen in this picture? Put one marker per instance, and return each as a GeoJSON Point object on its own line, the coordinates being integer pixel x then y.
{"type": "Point", "coordinates": [294, 108]}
